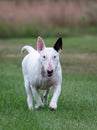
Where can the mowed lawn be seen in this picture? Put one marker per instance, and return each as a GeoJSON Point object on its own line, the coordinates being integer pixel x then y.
{"type": "Point", "coordinates": [77, 105]}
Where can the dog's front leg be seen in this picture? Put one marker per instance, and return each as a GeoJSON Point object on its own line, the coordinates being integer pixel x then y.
{"type": "Point", "coordinates": [37, 98]}
{"type": "Point", "coordinates": [53, 103]}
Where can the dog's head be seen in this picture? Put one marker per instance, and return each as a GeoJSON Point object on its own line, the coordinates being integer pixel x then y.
{"type": "Point", "coordinates": [49, 56]}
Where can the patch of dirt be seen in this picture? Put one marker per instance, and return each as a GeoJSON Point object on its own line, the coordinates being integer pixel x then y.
{"type": "Point", "coordinates": [80, 56]}
{"type": "Point", "coordinates": [84, 63]}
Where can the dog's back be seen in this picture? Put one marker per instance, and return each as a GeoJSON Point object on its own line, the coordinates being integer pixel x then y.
{"type": "Point", "coordinates": [30, 62]}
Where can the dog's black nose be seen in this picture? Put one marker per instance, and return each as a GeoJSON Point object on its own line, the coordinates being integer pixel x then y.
{"type": "Point", "coordinates": [49, 72]}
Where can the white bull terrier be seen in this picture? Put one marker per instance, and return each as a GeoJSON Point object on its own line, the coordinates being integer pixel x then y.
{"type": "Point", "coordinates": [41, 70]}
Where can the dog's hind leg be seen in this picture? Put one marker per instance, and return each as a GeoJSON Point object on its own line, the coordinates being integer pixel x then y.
{"type": "Point", "coordinates": [37, 98]}
{"type": "Point", "coordinates": [45, 96]}
{"type": "Point", "coordinates": [29, 94]}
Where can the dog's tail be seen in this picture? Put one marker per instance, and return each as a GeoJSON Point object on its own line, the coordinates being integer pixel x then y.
{"type": "Point", "coordinates": [29, 49]}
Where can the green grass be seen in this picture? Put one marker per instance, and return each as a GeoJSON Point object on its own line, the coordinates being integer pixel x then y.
{"type": "Point", "coordinates": [77, 105]}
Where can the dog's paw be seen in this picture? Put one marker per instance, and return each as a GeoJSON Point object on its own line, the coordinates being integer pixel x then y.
{"type": "Point", "coordinates": [38, 106]}
{"type": "Point", "coordinates": [30, 107]}
{"type": "Point", "coordinates": [53, 106]}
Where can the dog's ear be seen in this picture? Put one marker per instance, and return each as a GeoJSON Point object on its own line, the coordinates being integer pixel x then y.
{"type": "Point", "coordinates": [40, 44]}
{"type": "Point", "coordinates": [58, 45]}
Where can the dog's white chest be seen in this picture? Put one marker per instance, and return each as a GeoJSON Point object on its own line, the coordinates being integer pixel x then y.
{"type": "Point", "coordinates": [44, 83]}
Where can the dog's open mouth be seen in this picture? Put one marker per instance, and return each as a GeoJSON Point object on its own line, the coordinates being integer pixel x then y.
{"type": "Point", "coordinates": [49, 73]}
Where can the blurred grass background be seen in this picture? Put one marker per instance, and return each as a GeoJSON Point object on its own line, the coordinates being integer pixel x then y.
{"type": "Point", "coordinates": [77, 105]}
{"type": "Point", "coordinates": [50, 18]}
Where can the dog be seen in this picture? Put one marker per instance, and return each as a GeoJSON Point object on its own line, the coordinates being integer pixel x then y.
{"type": "Point", "coordinates": [41, 70]}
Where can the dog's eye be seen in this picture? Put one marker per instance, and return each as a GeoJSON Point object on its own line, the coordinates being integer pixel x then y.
{"type": "Point", "coordinates": [54, 57]}
{"type": "Point", "coordinates": [44, 57]}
